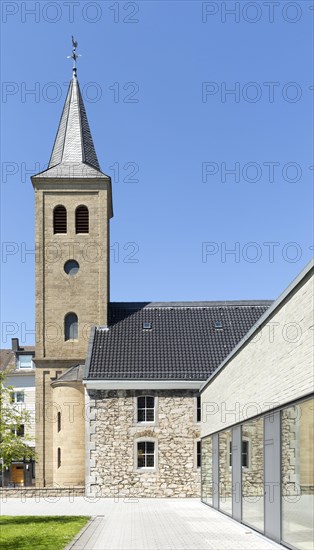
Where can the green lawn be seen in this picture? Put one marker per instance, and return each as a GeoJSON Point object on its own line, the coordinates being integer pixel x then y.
{"type": "Point", "coordinates": [39, 532]}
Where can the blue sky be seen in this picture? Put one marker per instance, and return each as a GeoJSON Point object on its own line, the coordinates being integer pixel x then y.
{"type": "Point", "coordinates": [214, 170]}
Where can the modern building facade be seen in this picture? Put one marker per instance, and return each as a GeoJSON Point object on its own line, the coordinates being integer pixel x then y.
{"type": "Point", "coordinates": [19, 367]}
{"type": "Point", "coordinates": [258, 423]}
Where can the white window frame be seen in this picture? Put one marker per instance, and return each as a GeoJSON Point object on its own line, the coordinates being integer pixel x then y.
{"type": "Point", "coordinates": [14, 396]}
{"type": "Point", "coordinates": [144, 422]}
{"type": "Point", "coordinates": [15, 430]}
{"type": "Point", "coordinates": [19, 361]}
{"type": "Point", "coordinates": [146, 468]}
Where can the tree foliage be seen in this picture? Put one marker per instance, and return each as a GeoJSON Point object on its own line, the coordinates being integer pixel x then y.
{"type": "Point", "coordinates": [12, 417]}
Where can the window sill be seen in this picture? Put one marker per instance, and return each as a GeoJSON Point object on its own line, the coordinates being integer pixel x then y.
{"type": "Point", "coordinates": [25, 368]}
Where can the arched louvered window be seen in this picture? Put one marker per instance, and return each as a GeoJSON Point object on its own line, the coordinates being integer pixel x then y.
{"type": "Point", "coordinates": [81, 219]}
{"type": "Point", "coordinates": [60, 219]}
{"type": "Point", "coordinates": [71, 327]}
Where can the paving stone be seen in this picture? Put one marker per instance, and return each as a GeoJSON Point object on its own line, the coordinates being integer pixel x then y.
{"type": "Point", "coordinates": [147, 524]}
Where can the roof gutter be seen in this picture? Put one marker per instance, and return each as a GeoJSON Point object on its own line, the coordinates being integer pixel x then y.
{"type": "Point", "coordinates": [143, 384]}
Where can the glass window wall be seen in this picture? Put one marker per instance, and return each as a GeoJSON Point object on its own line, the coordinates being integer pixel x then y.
{"type": "Point", "coordinates": [207, 470]}
{"type": "Point", "coordinates": [253, 473]}
{"type": "Point", "coordinates": [297, 440]}
{"type": "Point", "coordinates": [225, 472]}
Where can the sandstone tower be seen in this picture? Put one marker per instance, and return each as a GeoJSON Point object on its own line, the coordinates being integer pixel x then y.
{"type": "Point", "coordinates": [73, 206]}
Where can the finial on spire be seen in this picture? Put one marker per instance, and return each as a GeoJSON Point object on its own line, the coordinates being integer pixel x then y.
{"type": "Point", "coordinates": [74, 55]}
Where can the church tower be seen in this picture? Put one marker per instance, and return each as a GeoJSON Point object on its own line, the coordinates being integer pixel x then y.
{"type": "Point", "coordinates": [73, 206]}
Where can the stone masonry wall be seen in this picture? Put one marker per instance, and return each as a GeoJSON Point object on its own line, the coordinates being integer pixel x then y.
{"type": "Point", "coordinates": [112, 444]}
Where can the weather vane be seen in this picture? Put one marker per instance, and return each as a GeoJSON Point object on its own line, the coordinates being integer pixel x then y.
{"type": "Point", "coordinates": [74, 55]}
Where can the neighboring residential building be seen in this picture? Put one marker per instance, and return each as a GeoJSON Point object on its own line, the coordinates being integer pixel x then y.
{"type": "Point", "coordinates": [123, 410]}
{"type": "Point", "coordinates": [258, 423]}
{"type": "Point", "coordinates": [20, 368]}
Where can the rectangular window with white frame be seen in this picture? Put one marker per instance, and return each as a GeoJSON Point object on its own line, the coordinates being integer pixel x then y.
{"type": "Point", "coordinates": [19, 431]}
{"type": "Point", "coordinates": [146, 454]}
{"type": "Point", "coordinates": [25, 362]}
{"type": "Point", "coordinates": [145, 409]}
{"type": "Point", "coordinates": [17, 397]}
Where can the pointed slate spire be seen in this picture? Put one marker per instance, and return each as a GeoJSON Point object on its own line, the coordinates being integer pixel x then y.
{"type": "Point", "coordinates": [74, 142]}
{"type": "Point", "coordinates": [73, 156]}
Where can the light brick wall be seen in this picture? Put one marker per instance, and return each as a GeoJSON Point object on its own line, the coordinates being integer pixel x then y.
{"type": "Point", "coordinates": [274, 368]}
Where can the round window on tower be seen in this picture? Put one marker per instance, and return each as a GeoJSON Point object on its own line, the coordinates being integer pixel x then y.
{"type": "Point", "coordinates": [71, 267]}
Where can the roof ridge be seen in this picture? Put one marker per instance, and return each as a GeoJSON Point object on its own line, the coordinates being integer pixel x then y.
{"type": "Point", "coordinates": [193, 304]}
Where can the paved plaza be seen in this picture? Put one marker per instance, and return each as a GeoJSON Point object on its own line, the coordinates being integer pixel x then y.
{"type": "Point", "coordinates": [146, 524]}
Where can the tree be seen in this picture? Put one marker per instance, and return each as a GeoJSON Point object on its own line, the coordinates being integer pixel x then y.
{"type": "Point", "coordinates": [13, 418]}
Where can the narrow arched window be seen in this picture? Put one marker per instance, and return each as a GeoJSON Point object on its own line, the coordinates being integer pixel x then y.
{"type": "Point", "coordinates": [71, 327]}
{"type": "Point", "coordinates": [81, 219]}
{"type": "Point", "coordinates": [60, 219]}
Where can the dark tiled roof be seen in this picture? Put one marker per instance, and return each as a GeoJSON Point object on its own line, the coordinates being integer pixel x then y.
{"type": "Point", "coordinates": [7, 358]}
{"type": "Point", "coordinates": [183, 343]}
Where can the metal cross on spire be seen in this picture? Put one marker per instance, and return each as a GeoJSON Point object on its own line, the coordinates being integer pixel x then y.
{"type": "Point", "coordinates": [74, 55]}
